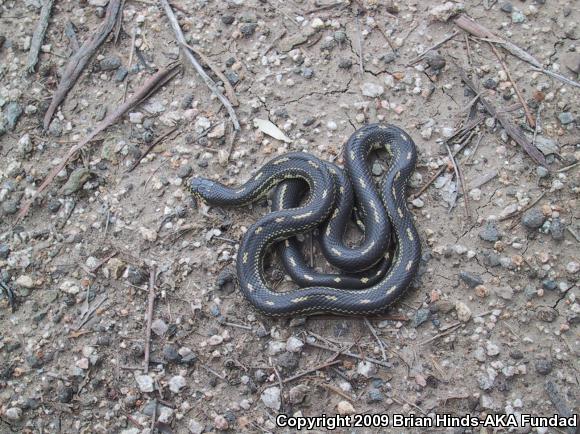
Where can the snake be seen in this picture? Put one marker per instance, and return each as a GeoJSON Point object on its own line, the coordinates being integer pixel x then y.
{"type": "Point", "coordinates": [389, 201]}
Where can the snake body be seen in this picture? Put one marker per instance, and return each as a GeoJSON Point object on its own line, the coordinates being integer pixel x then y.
{"type": "Point", "coordinates": [386, 204]}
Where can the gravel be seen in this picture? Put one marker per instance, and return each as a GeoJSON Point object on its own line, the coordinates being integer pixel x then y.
{"type": "Point", "coordinates": [533, 218]}
{"type": "Point", "coordinates": [490, 232]}
{"type": "Point", "coordinates": [471, 279]}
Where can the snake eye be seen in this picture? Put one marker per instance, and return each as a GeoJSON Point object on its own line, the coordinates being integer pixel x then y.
{"type": "Point", "coordinates": [200, 186]}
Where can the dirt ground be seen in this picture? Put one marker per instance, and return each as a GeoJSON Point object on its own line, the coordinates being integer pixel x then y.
{"type": "Point", "coordinates": [491, 325]}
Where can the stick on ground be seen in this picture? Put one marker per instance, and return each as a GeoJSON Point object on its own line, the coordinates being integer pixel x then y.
{"type": "Point", "coordinates": [150, 304]}
{"type": "Point", "coordinates": [81, 58]}
{"type": "Point", "coordinates": [150, 86]}
{"type": "Point", "coordinates": [206, 78]}
{"type": "Point", "coordinates": [38, 36]}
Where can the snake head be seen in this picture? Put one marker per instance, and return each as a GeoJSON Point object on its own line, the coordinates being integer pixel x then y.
{"type": "Point", "coordinates": [200, 187]}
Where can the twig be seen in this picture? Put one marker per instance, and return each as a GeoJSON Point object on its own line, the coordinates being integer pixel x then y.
{"type": "Point", "coordinates": [507, 125]}
{"type": "Point", "coordinates": [308, 371]}
{"type": "Point", "coordinates": [349, 354]}
{"type": "Point", "coordinates": [337, 391]}
{"type": "Point", "coordinates": [130, 63]}
{"type": "Point", "coordinates": [571, 166]}
{"type": "Point", "coordinates": [206, 78]}
{"type": "Point", "coordinates": [150, 86]}
{"type": "Point", "coordinates": [538, 112]}
{"type": "Point", "coordinates": [211, 371]}
{"type": "Point", "coordinates": [239, 326]}
{"type": "Point", "coordinates": [38, 36]}
{"type": "Point", "coordinates": [529, 116]}
{"type": "Point", "coordinates": [469, 25]}
{"type": "Point", "coordinates": [232, 142]}
{"type": "Point", "coordinates": [434, 47]}
{"type": "Point", "coordinates": [150, 147]}
{"type": "Point", "coordinates": [227, 85]}
{"type": "Point", "coordinates": [468, 48]}
{"type": "Point", "coordinates": [359, 44]}
{"type": "Point", "coordinates": [276, 39]}
{"type": "Point", "coordinates": [80, 59]}
{"type": "Point", "coordinates": [379, 341]}
{"type": "Point", "coordinates": [450, 329]}
{"type": "Point", "coordinates": [151, 303]}
{"type": "Point", "coordinates": [410, 403]}
{"type": "Point", "coordinates": [460, 179]}
{"type": "Point", "coordinates": [523, 210]}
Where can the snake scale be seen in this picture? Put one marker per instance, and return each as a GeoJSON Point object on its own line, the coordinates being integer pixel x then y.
{"type": "Point", "coordinates": [328, 204]}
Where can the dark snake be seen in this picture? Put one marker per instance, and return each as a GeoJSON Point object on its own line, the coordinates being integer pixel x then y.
{"type": "Point", "coordinates": [383, 210]}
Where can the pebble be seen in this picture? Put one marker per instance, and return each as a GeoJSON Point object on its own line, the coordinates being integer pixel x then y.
{"type": "Point", "coordinates": [109, 63]}
{"type": "Point", "coordinates": [421, 316]}
{"type": "Point", "coordinates": [170, 353]}
{"type": "Point", "coordinates": [248, 29]}
{"type": "Point", "coordinates": [317, 23]}
{"type": "Point", "coordinates": [159, 327]}
{"type": "Point", "coordinates": [435, 60]}
{"type": "Point", "coordinates": [472, 280]}
{"type": "Point", "coordinates": [221, 423]}
{"type": "Point", "coordinates": [12, 113]}
{"type": "Point", "coordinates": [294, 345]}
{"type": "Point", "coordinates": [518, 17]}
{"type": "Point", "coordinates": [13, 413]}
{"type": "Point", "coordinates": [505, 292]}
{"type": "Point", "coordinates": [176, 383]}
{"type": "Point", "coordinates": [10, 207]}
{"type": "Point", "coordinates": [475, 194]}
{"type": "Point", "coordinates": [136, 117]}
{"type": "Point", "coordinates": [215, 340]}
{"type": "Point", "coordinates": [185, 171]}
{"type": "Point", "coordinates": [65, 394]}
{"type": "Point", "coordinates": [145, 383]}
{"type": "Point", "coordinates": [543, 366]}
{"type": "Point", "coordinates": [491, 349]}
{"type": "Point", "coordinates": [344, 408]}
{"type": "Point", "coordinates": [542, 172]}
{"type": "Point", "coordinates": [533, 218]}
{"type": "Point", "coordinates": [4, 251]}
{"type": "Point", "coordinates": [55, 128]}
{"type": "Point", "coordinates": [372, 90]}
{"type": "Point", "coordinates": [572, 267]}
{"type": "Point", "coordinates": [331, 125]}
{"type": "Point", "coordinates": [366, 369]}
{"type": "Point", "coordinates": [374, 395]}
{"type": "Point", "coordinates": [490, 232]}
{"type": "Point", "coordinates": [136, 276]}
{"type": "Point", "coordinates": [463, 312]}
{"type": "Point", "coordinates": [195, 427]}
{"type": "Point", "coordinates": [271, 398]}
{"type": "Point", "coordinates": [566, 118]}
{"type": "Point", "coordinates": [298, 393]}
{"type": "Point", "coordinates": [77, 179]}
{"type": "Point", "coordinates": [121, 74]}
{"type": "Point", "coordinates": [507, 7]}
{"type": "Point", "coordinates": [345, 63]}
{"type": "Point", "coordinates": [228, 19]}
{"type": "Point", "coordinates": [339, 36]}
{"type": "Point", "coordinates": [418, 203]}
{"type": "Point", "coordinates": [549, 284]}
{"type": "Point", "coordinates": [443, 12]}
{"type": "Point", "coordinates": [308, 73]}
{"type": "Point", "coordinates": [25, 282]}
{"type": "Point", "coordinates": [490, 83]}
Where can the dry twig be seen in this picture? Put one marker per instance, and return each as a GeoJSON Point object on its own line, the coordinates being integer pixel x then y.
{"type": "Point", "coordinates": [460, 179]}
{"type": "Point", "coordinates": [308, 371]}
{"type": "Point", "coordinates": [206, 78]}
{"type": "Point", "coordinates": [81, 58]}
{"type": "Point", "coordinates": [150, 86]}
{"type": "Point", "coordinates": [349, 354]}
{"type": "Point", "coordinates": [38, 36]}
{"type": "Point", "coordinates": [434, 47]}
{"type": "Point", "coordinates": [150, 147]}
{"type": "Point", "coordinates": [151, 303]}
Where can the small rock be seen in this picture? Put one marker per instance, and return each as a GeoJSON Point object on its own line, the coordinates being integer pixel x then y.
{"type": "Point", "coordinates": [221, 423]}
{"type": "Point", "coordinates": [248, 29]}
{"type": "Point", "coordinates": [136, 276]}
{"type": "Point", "coordinates": [145, 383]}
{"type": "Point", "coordinates": [533, 218]}
{"type": "Point", "coordinates": [170, 353]}
{"type": "Point", "coordinates": [557, 229]}
{"type": "Point", "coordinates": [121, 74]}
{"type": "Point", "coordinates": [518, 17]}
{"type": "Point", "coordinates": [12, 113]}
{"type": "Point", "coordinates": [228, 19]}
{"type": "Point", "coordinates": [566, 118]}
{"type": "Point", "coordinates": [374, 395]}
{"type": "Point", "coordinates": [490, 232]}
{"type": "Point", "coordinates": [331, 125]}
{"type": "Point", "coordinates": [443, 12]}
{"type": "Point", "coordinates": [345, 63]}
{"type": "Point", "coordinates": [294, 345]}
{"type": "Point", "coordinates": [490, 83]}
{"type": "Point", "coordinates": [176, 383]}
{"type": "Point", "coordinates": [546, 314]}
{"type": "Point", "coordinates": [109, 63]}
{"type": "Point", "coordinates": [13, 413]}
{"type": "Point", "coordinates": [572, 267]}
{"type": "Point", "coordinates": [25, 282]}
{"type": "Point", "coordinates": [271, 398]}
{"type": "Point", "coordinates": [372, 90]}
{"type": "Point", "coordinates": [507, 7]}
{"type": "Point", "coordinates": [463, 312]}
{"type": "Point", "coordinates": [491, 349]}
{"type": "Point", "coordinates": [215, 340]}
{"type": "Point", "coordinates": [159, 327]}
{"type": "Point", "coordinates": [542, 172]}
{"type": "Point", "coordinates": [308, 73]}
{"type": "Point", "coordinates": [185, 171]}
{"type": "Point", "coordinates": [298, 393]}
{"type": "Point", "coordinates": [317, 23]}
{"type": "Point", "coordinates": [435, 61]}
{"type": "Point", "coordinates": [366, 369]}
{"type": "Point", "coordinates": [471, 279]}
{"type": "Point", "coordinates": [65, 394]}
{"type": "Point", "coordinates": [76, 181]}
{"type": "Point", "coordinates": [543, 366]}
{"type": "Point", "coordinates": [418, 203]}
{"type": "Point", "coordinates": [195, 427]}
{"type": "Point", "coordinates": [549, 284]}
{"type": "Point", "coordinates": [136, 117]}
{"type": "Point", "coordinates": [505, 292]}
{"type": "Point", "coordinates": [10, 207]}
{"type": "Point", "coordinates": [344, 408]}
{"type": "Point", "coordinates": [421, 316]}
{"type": "Point", "coordinates": [4, 251]}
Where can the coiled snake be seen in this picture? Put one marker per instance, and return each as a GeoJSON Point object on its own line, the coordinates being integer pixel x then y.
{"type": "Point", "coordinates": [328, 204]}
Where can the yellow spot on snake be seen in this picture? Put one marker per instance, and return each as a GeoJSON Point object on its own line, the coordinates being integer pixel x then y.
{"type": "Point", "coordinates": [394, 193]}
{"type": "Point", "coordinates": [337, 279]}
{"type": "Point", "coordinates": [307, 277]}
{"type": "Point", "coordinates": [270, 303]}
{"type": "Point", "coordinates": [250, 287]}
{"type": "Point", "coordinates": [258, 176]}
{"type": "Point", "coordinates": [279, 219]}
{"type": "Point", "coordinates": [336, 252]}
{"type": "Point", "coordinates": [409, 265]}
{"type": "Point", "coordinates": [241, 190]}
{"type": "Point", "coordinates": [400, 211]}
{"type": "Point", "coordinates": [410, 234]}
{"type": "Point", "coordinates": [370, 246]}
{"type": "Point", "coordinates": [398, 175]}
{"type": "Point", "coordinates": [364, 279]}
{"type": "Point", "coordinates": [313, 164]}
{"type": "Point", "coordinates": [292, 261]}
{"type": "Point", "coordinates": [328, 230]}
{"type": "Point", "coordinates": [352, 155]}
{"type": "Point", "coordinates": [335, 213]}
{"type": "Point", "coordinates": [299, 299]}
{"type": "Point", "coordinates": [341, 189]}
{"type": "Point", "coordinates": [365, 301]}
{"type": "Point", "coordinates": [324, 194]}
{"type": "Point", "coordinates": [281, 160]}
{"type": "Point", "coordinates": [259, 229]}
{"type": "Point", "coordinates": [409, 155]}
{"type": "Point", "coordinates": [331, 170]}
{"type": "Point", "coordinates": [287, 243]}
{"type": "Point", "coordinates": [362, 183]}
{"type": "Point", "coordinates": [331, 297]}
{"type": "Point", "coordinates": [245, 258]}
{"type": "Point", "coordinates": [392, 289]}
{"type": "Point", "coordinates": [404, 137]}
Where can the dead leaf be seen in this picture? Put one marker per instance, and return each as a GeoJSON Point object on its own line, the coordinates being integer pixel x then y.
{"type": "Point", "coordinates": [270, 129]}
